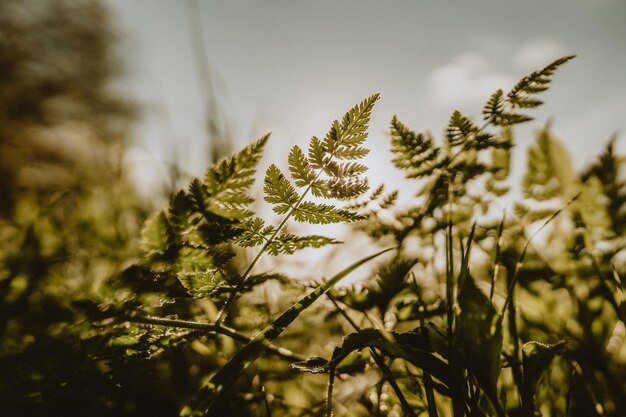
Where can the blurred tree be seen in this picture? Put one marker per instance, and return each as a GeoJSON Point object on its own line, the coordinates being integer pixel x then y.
{"type": "Point", "coordinates": [67, 214]}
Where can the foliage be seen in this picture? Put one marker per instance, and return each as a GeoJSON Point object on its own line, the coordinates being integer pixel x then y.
{"type": "Point", "coordinates": [469, 313]}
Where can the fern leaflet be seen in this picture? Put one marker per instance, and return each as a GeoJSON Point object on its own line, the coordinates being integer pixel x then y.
{"type": "Point", "coordinates": [536, 82]}
{"type": "Point", "coordinates": [414, 152]}
{"type": "Point", "coordinates": [279, 191]}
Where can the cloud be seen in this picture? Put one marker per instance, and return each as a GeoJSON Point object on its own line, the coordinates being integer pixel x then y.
{"type": "Point", "coordinates": [468, 80]}
{"type": "Point", "coordinates": [537, 53]}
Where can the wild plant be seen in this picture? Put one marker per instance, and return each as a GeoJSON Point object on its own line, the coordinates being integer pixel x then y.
{"type": "Point", "coordinates": [435, 330]}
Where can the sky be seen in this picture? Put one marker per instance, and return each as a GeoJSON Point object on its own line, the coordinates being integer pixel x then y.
{"type": "Point", "coordinates": [290, 67]}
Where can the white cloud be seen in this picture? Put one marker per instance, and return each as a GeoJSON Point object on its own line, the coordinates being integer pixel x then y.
{"type": "Point", "coordinates": [468, 80]}
{"type": "Point", "coordinates": [537, 53]}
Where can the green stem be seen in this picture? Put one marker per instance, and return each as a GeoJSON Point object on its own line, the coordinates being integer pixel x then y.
{"type": "Point", "coordinates": [214, 328]}
{"type": "Point", "coordinates": [428, 380]}
{"type": "Point", "coordinates": [496, 261]}
{"type": "Point", "coordinates": [456, 379]}
{"type": "Point", "coordinates": [329, 393]}
{"type": "Point", "coordinates": [516, 367]}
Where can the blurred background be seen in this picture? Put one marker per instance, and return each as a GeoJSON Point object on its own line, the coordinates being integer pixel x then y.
{"type": "Point", "coordinates": [210, 75]}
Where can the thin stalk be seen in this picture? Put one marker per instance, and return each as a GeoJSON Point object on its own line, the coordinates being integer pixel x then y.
{"type": "Point", "coordinates": [387, 372]}
{"type": "Point", "coordinates": [428, 380]}
{"type": "Point", "coordinates": [457, 376]}
{"type": "Point", "coordinates": [450, 282]}
{"type": "Point", "coordinates": [329, 393]}
{"type": "Point", "coordinates": [268, 410]}
{"type": "Point", "coordinates": [213, 328]}
{"type": "Point", "coordinates": [496, 261]}
{"type": "Point", "coordinates": [516, 364]}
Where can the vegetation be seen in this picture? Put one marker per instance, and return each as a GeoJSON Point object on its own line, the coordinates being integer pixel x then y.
{"type": "Point", "coordinates": [468, 310]}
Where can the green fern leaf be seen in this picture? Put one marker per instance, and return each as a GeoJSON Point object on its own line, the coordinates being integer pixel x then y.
{"type": "Point", "coordinates": [156, 235]}
{"type": "Point", "coordinates": [310, 212]}
{"type": "Point", "coordinates": [341, 170]}
{"type": "Point", "coordinates": [350, 152]}
{"type": "Point", "coordinates": [414, 152]}
{"type": "Point", "coordinates": [607, 169]}
{"type": "Point", "coordinates": [494, 106]}
{"type": "Point", "coordinates": [288, 243]}
{"type": "Point", "coordinates": [226, 184]}
{"type": "Point", "coordinates": [279, 191]}
{"type": "Point", "coordinates": [180, 210]}
{"type": "Point", "coordinates": [389, 200]}
{"type": "Point", "coordinates": [301, 170]}
{"type": "Point", "coordinates": [541, 182]}
{"type": "Point", "coordinates": [460, 129]}
{"type": "Point", "coordinates": [340, 188]}
{"type": "Point", "coordinates": [255, 233]}
{"type": "Point", "coordinates": [317, 154]}
{"type": "Point", "coordinates": [489, 141]}
{"type": "Point", "coordinates": [522, 93]}
{"type": "Point", "coordinates": [509, 119]}
{"type": "Point", "coordinates": [198, 259]}
{"type": "Point", "coordinates": [352, 131]}
{"type": "Point", "coordinates": [203, 283]}
{"type": "Point", "coordinates": [378, 191]}
{"type": "Point", "coordinates": [494, 112]}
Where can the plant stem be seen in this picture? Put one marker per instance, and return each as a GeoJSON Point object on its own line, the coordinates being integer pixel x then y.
{"type": "Point", "coordinates": [215, 328]}
{"type": "Point", "coordinates": [428, 380]}
{"type": "Point", "coordinates": [496, 261]}
{"type": "Point", "coordinates": [516, 367]}
{"type": "Point", "coordinates": [329, 393]}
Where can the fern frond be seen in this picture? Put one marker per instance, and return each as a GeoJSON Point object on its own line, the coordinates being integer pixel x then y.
{"type": "Point", "coordinates": [414, 152]}
{"type": "Point", "coordinates": [495, 111]}
{"type": "Point", "coordinates": [301, 170]}
{"type": "Point", "coordinates": [314, 213]}
{"type": "Point", "coordinates": [156, 235]}
{"type": "Point", "coordinates": [541, 181]}
{"type": "Point", "coordinates": [197, 259]}
{"type": "Point", "coordinates": [255, 233]}
{"type": "Point", "coordinates": [460, 129]}
{"type": "Point", "coordinates": [489, 141]}
{"type": "Point", "coordinates": [203, 283]}
{"type": "Point", "coordinates": [287, 243]}
{"type": "Point", "coordinates": [378, 191]}
{"type": "Point", "coordinates": [279, 191]}
{"type": "Point", "coordinates": [521, 95]}
{"type": "Point", "coordinates": [509, 119]}
{"type": "Point", "coordinates": [226, 184]}
{"type": "Point", "coordinates": [340, 188]}
{"type": "Point", "coordinates": [350, 152]}
{"type": "Point", "coordinates": [317, 153]}
{"type": "Point", "coordinates": [352, 131]}
{"type": "Point", "coordinates": [342, 170]}
{"type": "Point", "coordinates": [494, 106]}
{"type": "Point", "coordinates": [389, 199]}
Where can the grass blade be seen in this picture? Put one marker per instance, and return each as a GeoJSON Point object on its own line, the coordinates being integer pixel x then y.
{"type": "Point", "coordinates": [210, 394]}
{"type": "Point", "coordinates": [496, 261]}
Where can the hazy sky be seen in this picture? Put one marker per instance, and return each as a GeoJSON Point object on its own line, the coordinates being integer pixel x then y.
{"type": "Point", "coordinates": [291, 67]}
